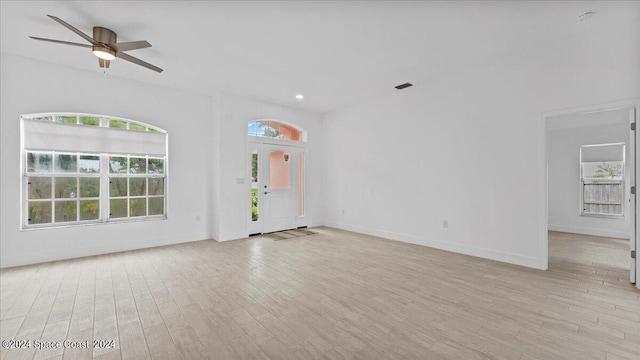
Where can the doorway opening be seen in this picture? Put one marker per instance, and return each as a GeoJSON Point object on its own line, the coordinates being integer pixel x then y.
{"type": "Point", "coordinates": [590, 187]}
{"type": "Point", "coordinates": [277, 169]}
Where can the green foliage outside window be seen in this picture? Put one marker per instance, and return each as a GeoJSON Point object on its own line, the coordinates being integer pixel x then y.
{"type": "Point", "coordinates": [66, 119]}
{"type": "Point", "coordinates": [136, 127]}
{"type": "Point", "coordinates": [609, 170]}
{"type": "Point", "coordinates": [117, 124]}
{"type": "Point", "coordinates": [90, 120]}
{"type": "Point", "coordinates": [254, 204]}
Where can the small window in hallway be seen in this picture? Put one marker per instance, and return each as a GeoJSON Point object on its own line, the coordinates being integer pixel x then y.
{"type": "Point", "coordinates": [602, 177]}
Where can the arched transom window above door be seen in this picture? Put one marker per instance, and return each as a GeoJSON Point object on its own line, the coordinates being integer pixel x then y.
{"type": "Point", "coordinates": [276, 130]}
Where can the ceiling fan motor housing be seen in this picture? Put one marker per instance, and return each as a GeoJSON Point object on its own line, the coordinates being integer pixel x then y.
{"type": "Point", "coordinates": [104, 35]}
{"type": "Point", "coordinates": [107, 39]}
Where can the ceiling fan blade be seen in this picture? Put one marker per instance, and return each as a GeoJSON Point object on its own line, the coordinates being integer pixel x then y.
{"type": "Point", "coordinates": [137, 61]}
{"type": "Point", "coordinates": [132, 45]}
{"type": "Point", "coordinates": [104, 64]}
{"type": "Point", "coordinates": [83, 35]}
{"type": "Point", "coordinates": [60, 42]}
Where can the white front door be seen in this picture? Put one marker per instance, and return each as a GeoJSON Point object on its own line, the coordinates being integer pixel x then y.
{"type": "Point", "coordinates": [276, 184]}
{"type": "Point", "coordinates": [278, 189]}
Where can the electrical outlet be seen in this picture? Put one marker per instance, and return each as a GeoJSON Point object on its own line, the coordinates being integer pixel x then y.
{"type": "Point", "coordinates": [343, 212]}
{"type": "Point", "coordinates": [197, 218]}
{"type": "Point", "coordinates": [445, 224]}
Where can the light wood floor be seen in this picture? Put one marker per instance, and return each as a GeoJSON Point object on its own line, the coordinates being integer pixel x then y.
{"type": "Point", "coordinates": [335, 295]}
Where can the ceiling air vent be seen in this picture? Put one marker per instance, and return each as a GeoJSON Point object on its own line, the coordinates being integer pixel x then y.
{"type": "Point", "coordinates": [404, 86]}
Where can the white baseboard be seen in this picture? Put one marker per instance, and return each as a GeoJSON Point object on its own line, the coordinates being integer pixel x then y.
{"type": "Point", "coordinates": [40, 257]}
{"type": "Point", "coordinates": [316, 224]}
{"type": "Point", "coordinates": [496, 255]}
{"type": "Point", "coordinates": [236, 235]}
{"type": "Point", "coordinates": [590, 231]}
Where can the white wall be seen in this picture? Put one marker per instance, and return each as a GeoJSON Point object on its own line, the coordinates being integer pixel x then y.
{"type": "Point", "coordinates": [234, 114]}
{"type": "Point", "coordinates": [467, 149]}
{"type": "Point", "coordinates": [207, 152]}
{"type": "Point", "coordinates": [30, 86]}
{"type": "Point", "coordinates": [564, 178]}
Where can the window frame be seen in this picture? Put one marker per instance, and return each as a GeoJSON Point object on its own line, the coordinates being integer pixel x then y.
{"type": "Point", "coordinates": [128, 175]}
{"type": "Point", "coordinates": [267, 122]}
{"type": "Point", "coordinates": [103, 175]}
{"type": "Point", "coordinates": [591, 181]}
{"type": "Point", "coordinates": [53, 175]}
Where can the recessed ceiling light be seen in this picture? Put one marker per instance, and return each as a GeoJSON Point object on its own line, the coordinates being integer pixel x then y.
{"type": "Point", "coordinates": [586, 16]}
{"type": "Point", "coordinates": [299, 96]}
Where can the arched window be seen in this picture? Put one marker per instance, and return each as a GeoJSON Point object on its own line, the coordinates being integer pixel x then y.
{"type": "Point", "coordinates": [275, 130]}
{"type": "Point", "coordinates": [96, 120]}
{"type": "Point", "coordinates": [82, 168]}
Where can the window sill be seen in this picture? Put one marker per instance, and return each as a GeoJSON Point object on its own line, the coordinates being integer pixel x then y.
{"type": "Point", "coordinates": [109, 222]}
{"type": "Point", "coordinates": [604, 216]}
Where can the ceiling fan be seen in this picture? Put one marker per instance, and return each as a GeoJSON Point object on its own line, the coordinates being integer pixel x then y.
{"type": "Point", "coordinates": [105, 45]}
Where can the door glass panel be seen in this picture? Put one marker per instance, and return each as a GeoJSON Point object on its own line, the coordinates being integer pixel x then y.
{"type": "Point", "coordinates": [301, 185]}
{"type": "Point", "coordinates": [254, 185]}
{"type": "Point", "coordinates": [279, 170]}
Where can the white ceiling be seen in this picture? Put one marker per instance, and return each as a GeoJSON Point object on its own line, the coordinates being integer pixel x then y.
{"type": "Point", "coordinates": [336, 53]}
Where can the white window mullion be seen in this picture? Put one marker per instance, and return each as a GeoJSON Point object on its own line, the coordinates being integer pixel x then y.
{"type": "Point", "coordinates": [78, 189]}
{"type": "Point", "coordinates": [128, 188]}
{"type": "Point", "coordinates": [146, 190]}
{"type": "Point", "coordinates": [53, 195]}
{"type": "Point", "coordinates": [104, 186]}
{"type": "Point", "coordinates": [25, 184]}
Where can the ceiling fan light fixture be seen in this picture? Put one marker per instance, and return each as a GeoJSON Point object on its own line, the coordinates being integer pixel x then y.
{"type": "Point", "coordinates": [104, 45]}
{"type": "Point", "coordinates": [104, 53]}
